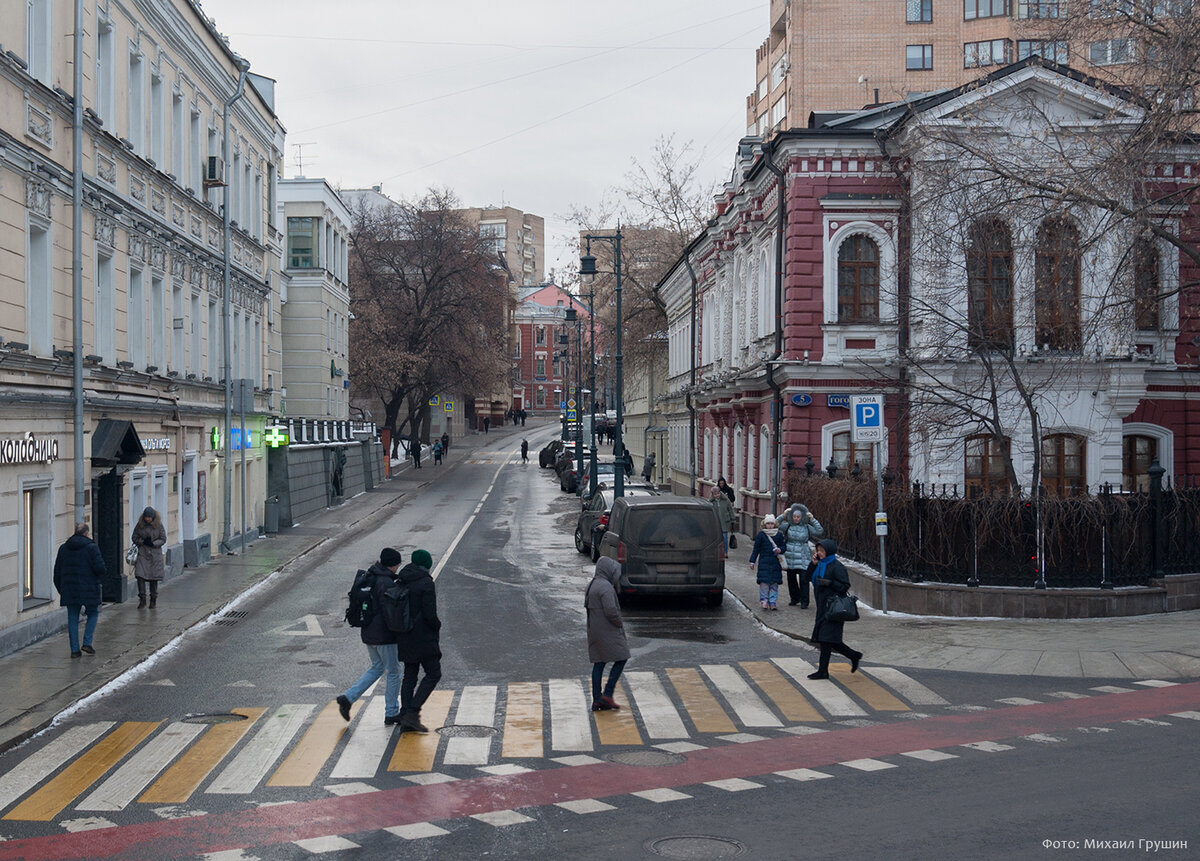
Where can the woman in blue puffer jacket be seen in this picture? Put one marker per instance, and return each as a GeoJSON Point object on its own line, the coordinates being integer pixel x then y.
{"type": "Point", "coordinates": [799, 527]}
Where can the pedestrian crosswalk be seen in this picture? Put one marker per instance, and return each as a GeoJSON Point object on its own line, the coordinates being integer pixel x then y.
{"type": "Point", "coordinates": [109, 766]}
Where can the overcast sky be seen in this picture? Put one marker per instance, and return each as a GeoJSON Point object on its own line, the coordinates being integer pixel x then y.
{"type": "Point", "coordinates": [536, 104]}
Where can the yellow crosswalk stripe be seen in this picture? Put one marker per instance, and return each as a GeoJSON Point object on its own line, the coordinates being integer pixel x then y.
{"type": "Point", "coordinates": [523, 735]}
{"type": "Point", "coordinates": [306, 760]}
{"type": "Point", "coordinates": [417, 751]}
{"type": "Point", "coordinates": [620, 726]}
{"type": "Point", "coordinates": [866, 690]}
{"type": "Point", "coordinates": [702, 707]}
{"type": "Point", "coordinates": [792, 704]}
{"type": "Point", "coordinates": [50, 800]}
{"type": "Point", "coordinates": [178, 782]}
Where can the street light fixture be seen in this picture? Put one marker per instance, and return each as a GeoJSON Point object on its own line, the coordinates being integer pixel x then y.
{"type": "Point", "coordinates": [587, 266]}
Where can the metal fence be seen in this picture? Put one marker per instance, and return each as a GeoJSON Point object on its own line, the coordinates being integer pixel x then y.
{"type": "Point", "coordinates": [1102, 538]}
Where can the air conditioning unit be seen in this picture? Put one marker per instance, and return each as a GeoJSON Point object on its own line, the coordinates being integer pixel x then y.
{"type": "Point", "coordinates": [214, 171]}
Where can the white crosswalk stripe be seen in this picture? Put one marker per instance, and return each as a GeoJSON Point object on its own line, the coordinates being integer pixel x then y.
{"type": "Point", "coordinates": [476, 707]}
{"type": "Point", "coordinates": [368, 741]}
{"type": "Point", "coordinates": [130, 779]}
{"type": "Point", "coordinates": [32, 771]}
{"type": "Point", "coordinates": [828, 695]}
{"type": "Point", "coordinates": [570, 728]}
{"type": "Point", "coordinates": [655, 707]}
{"type": "Point", "coordinates": [750, 708]}
{"type": "Point", "coordinates": [250, 766]}
{"type": "Point", "coordinates": [910, 689]}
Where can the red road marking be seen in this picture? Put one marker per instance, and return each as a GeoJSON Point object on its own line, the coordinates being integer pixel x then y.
{"type": "Point", "coordinates": [267, 826]}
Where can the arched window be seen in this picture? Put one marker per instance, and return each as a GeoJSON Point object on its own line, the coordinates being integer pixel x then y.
{"type": "Point", "coordinates": [1064, 463]}
{"type": "Point", "coordinates": [847, 453]}
{"type": "Point", "coordinates": [984, 463]}
{"type": "Point", "coordinates": [1139, 452]}
{"type": "Point", "coordinates": [1145, 286]}
{"type": "Point", "coordinates": [1057, 285]}
{"type": "Point", "coordinates": [858, 280]}
{"type": "Point", "coordinates": [753, 480]}
{"type": "Point", "coordinates": [989, 285]}
{"type": "Point", "coordinates": [766, 294]}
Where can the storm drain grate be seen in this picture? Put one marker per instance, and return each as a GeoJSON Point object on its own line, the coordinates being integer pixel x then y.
{"type": "Point", "coordinates": [646, 758]}
{"type": "Point", "coordinates": [232, 617]}
{"type": "Point", "coordinates": [695, 846]}
{"type": "Point", "coordinates": [220, 717]}
{"type": "Point", "coordinates": [467, 731]}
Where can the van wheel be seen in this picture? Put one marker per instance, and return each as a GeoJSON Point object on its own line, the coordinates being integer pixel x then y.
{"type": "Point", "coordinates": [715, 600]}
{"type": "Point", "coordinates": [579, 545]}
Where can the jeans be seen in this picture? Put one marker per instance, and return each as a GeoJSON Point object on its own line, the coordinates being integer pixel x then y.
{"type": "Point", "coordinates": [613, 676]}
{"type": "Point", "coordinates": [412, 695]}
{"type": "Point", "coordinates": [383, 660]}
{"type": "Point", "coordinates": [89, 628]}
{"type": "Point", "coordinates": [768, 592]}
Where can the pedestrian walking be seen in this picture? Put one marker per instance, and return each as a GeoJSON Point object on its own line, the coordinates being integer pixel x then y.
{"type": "Point", "coordinates": [799, 528]}
{"type": "Point", "coordinates": [78, 571]}
{"type": "Point", "coordinates": [380, 643]}
{"type": "Point", "coordinates": [437, 452]}
{"type": "Point", "coordinates": [524, 451]}
{"type": "Point", "coordinates": [648, 467]}
{"type": "Point", "coordinates": [830, 578]}
{"type": "Point", "coordinates": [725, 515]}
{"type": "Point", "coordinates": [605, 632]}
{"type": "Point", "coordinates": [414, 448]}
{"type": "Point", "coordinates": [767, 552]}
{"type": "Point", "coordinates": [445, 443]}
{"type": "Point", "coordinates": [419, 649]}
{"type": "Point", "coordinates": [148, 536]}
{"type": "Point", "coordinates": [727, 490]}
{"type": "Point", "coordinates": [523, 415]}
{"type": "Point", "coordinates": [486, 421]}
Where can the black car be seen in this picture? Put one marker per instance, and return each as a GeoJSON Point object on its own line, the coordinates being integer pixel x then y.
{"type": "Point", "coordinates": [593, 516]}
{"type": "Point", "coordinates": [667, 545]}
{"type": "Point", "coordinates": [564, 467]}
{"type": "Point", "coordinates": [549, 453]}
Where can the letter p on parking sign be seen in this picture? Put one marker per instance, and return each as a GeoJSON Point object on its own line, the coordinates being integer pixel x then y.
{"type": "Point", "coordinates": [867, 418]}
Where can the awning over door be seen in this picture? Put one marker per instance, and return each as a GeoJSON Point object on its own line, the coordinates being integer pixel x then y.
{"type": "Point", "coordinates": [115, 442]}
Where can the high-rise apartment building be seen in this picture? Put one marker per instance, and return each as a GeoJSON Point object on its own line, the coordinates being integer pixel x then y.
{"type": "Point", "coordinates": [518, 236]}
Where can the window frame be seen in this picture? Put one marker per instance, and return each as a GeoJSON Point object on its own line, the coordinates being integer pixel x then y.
{"type": "Point", "coordinates": [312, 234]}
{"type": "Point", "coordinates": [1051, 260]}
{"type": "Point", "coordinates": [1006, 6]}
{"type": "Point", "coordinates": [995, 322]}
{"type": "Point", "coordinates": [1061, 50]}
{"type": "Point", "coordinates": [924, 11]}
{"type": "Point", "coordinates": [1060, 482]}
{"type": "Point", "coordinates": [1134, 476]}
{"type": "Point", "coordinates": [851, 449]}
{"type": "Point", "coordinates": [1052, 8]}
{"type": "Point", "coordinates": [988, 479]}
{"type": "Point", "coordinates": [978, 62]}
{"type": "Point", "coordinates": [858, 266]}
{"type": "Point", "coordinates": [926, 59]}
{"type": "Point", "coordinates": [1147, 307]}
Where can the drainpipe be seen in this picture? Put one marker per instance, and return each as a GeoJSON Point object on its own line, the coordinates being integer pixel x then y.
{"type": "Point", "coordinates": [691, 406]}
{"type": "Point", "coordinates": [780, 264]}
{"type": "Point", "coordinates": [77, 260]}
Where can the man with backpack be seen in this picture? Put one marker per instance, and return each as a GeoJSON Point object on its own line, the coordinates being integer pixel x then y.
{"type": "Point", "coordinates": [418, 647]}
{"type": "Point", "coordinates": [366, 613]}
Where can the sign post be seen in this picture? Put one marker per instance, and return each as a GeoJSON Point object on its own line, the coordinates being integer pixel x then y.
{"type": "Point", "coordinates": [867, 426]}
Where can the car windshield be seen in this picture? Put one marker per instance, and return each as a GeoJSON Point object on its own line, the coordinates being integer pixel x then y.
{"type": "Point", "coordinates": [681, 529]}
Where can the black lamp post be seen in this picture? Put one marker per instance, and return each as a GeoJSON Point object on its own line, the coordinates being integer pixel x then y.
{"type": "Point", "coordinates": [593, 470]}
{"type": "Point", "coordinates": [587, 266]}
{"type": "Point", "coordinates": [573, 317]}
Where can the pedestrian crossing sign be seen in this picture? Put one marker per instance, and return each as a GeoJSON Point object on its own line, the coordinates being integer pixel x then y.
{"type": "Point", "coordinates": [434, 401]}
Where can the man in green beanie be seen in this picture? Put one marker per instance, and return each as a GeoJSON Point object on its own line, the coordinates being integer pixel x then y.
{"type": "Point", "coordinates": [419, 649]}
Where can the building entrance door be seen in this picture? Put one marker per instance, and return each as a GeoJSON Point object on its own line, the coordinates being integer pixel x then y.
{"type": "Point", "coordinates": [110, 532]}
{"type": "Point", "coordinates": [187, 505]}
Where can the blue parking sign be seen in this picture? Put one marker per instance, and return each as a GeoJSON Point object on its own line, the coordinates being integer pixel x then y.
{"type": "Point", "coordinates": [866, 413]}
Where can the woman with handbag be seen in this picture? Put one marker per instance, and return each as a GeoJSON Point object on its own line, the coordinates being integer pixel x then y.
{"type": "Point", "coordinates": [767, 557]}
{"type": "Point", "coordinates": [830, 580]}
{"type": "Point", "coordinates": [148, 536]}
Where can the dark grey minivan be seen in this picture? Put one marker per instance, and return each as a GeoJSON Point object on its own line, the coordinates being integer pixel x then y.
{"type": "Point", "coordinates": [667, 545]}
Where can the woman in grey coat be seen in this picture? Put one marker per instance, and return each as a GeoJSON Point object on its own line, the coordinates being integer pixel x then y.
{"type": "Point", "coordinates": [605, 632]}
{"type": "Point", "coordinates": [148, 536]}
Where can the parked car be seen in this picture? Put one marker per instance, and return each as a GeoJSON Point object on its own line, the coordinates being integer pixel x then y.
{"type": "Point", "coordinates": [593, 516]}
{"type": "Point", "coordinates": [564, 467]}
{"type": "Point", "coordinates": [667, 545]}
{"type": "Point", "coordinates": [605, 473]}
{"type": "Point", "coordinates": [549, 453]}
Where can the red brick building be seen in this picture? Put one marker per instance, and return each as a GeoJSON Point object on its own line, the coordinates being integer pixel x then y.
{"type": "Point", "coordinates": [540, 359]}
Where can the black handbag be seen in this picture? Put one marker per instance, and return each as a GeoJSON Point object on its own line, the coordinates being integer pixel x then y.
{"type": "Point", "coordinates": [842, 608]}
{"type": "Point", "coordinates": [732, 541]}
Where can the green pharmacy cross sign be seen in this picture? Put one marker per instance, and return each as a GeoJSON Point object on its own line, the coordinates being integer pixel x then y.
{"type": "Point", "coordinates": [276, 437]}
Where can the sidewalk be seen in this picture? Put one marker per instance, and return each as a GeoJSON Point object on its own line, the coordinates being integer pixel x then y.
{"type": "Point", "coordinates": [41, 679]}
{"type": "Point", "coordinates": [1162, 646]}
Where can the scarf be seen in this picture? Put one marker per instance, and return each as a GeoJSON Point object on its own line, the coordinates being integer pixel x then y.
{"type": "Point", "coordinates": [819, 571]}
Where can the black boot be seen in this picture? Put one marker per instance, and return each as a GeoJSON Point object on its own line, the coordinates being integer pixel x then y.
{"type": "Point", "coordinates": [153, 601]}
{"type": "Point", "coordinates": [141, 602]}
{"type": "Point", "coordinates": [411, 722]}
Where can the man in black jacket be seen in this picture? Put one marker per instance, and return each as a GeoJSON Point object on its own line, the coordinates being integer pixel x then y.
{"type": "Point", "coordinates": [380, 643]}
{"type": "Point", "coordinates": [78, 570]}
{"type": "Point", "coordinates": [419, 649]}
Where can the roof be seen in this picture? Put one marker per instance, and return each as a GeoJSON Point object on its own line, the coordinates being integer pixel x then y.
{"type": "Point", "coordinates": [115, 442]}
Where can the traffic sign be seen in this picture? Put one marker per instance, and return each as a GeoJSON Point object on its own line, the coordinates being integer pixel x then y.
{"type": "Point", "coordinates": [448, 406]}
{"type": "Point", "coordinates": [570, 415]}
{"type": "Point", "coordinates": [866, 412]}
{"type": "Point", "coordinates": [434, 400]}
{"type": "Point", "coordinates": [881, 523]}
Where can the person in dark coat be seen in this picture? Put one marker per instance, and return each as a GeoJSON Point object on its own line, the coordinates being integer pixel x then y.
{"type": "Point", "coordinates": [414, 448]}
{"type": "Point", "coordinates": [648, 467]}
{"type": "Point", "coordinates": [727, 490]}
{"type": "Point", "coordinates": [149, 536]}
{"type": "Point", "coordinates": [605, 632]}
{"type": "Point", "coordinates": [767, 553]}
{"type": "Point", "coordinates": [78, 572]}
{"type": "Point", "coordinates": [419, 649]}
{"type": "Point", "coordinates": [380, 643]}
{"type": "Point", "coordinates": [524, 451]}
{"type": "Point", "coordinates": [486, 423]}
{"type": "Point", "coordinates": [829, 579]}
{"type": "Point", "coordinates": [445, 444]}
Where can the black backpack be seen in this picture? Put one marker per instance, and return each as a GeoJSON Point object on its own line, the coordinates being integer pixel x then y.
{"type": "Point", "coordinates": [397, 614]}
{"type": "Point", "coordinates": [361, 610]}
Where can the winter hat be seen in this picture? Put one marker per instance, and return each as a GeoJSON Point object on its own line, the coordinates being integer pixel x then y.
{"type": "Point", "coordinates": [422, 558]}
{"type": "Point", "coordinates": [389, 557]}
{"type": "Point", "coordinates": [149, 512]}
{"type": "Point", "coordinates": [768, 521]}
{"type": "Point", "coordinates": [830, 546]}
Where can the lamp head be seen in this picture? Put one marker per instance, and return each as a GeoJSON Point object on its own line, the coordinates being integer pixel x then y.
{"type": "Point", "coordinates": [587, 264]}
{"type": "Point", "coordinates": [571, 315]}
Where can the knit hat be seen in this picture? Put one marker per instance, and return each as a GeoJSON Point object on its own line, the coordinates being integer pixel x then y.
{"type": "Point", "coordinates": [389, 557]}
{"type": "Point", "coordinates": [422, 558]}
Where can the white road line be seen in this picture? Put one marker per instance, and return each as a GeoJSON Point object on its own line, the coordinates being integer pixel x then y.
{"type": "Point", "coordinates": [250, 766]}
{"type": "Point", "coordinates": [803, 774]}
{"type": "Point", "coordinates": [130, 779]}
{"type": "Point", "coordinates": [733, 784]}
{"type": "Point", "coordinates": [867, 764]}
{"type": "Point", "coordinates": [437, 569]}
{"type": "Point", "coordinates": [658, 796]}
{"type": "Point", "coordinates": [1156, 683]}
{"type": "Point", "coordinates": [929, 755]}
{"type": "Point", "coordinates": [912, 690]}
{"type": "Point", "coordinates": [416, 831]}
{"type": "Point", "coordinates": [655, 707]}
{"type": "Point", "coordinates": [584, 805]}
{"type": "Point", "coordinates": [476, 707]}
{"type": "Point", "coordinates": [1188, 715]}
{"type": "Point", "coordinates": [1019, 701]}
{"type": "Point", "coordinates": [321, 845]}
{"type": "Point", "coordinates": [828, 695]}
{"type": "Point", "coordinates": [570, 728]}
{"type": "Point", "coordinates": [32, 771]}
{"type": "Point", "coordinates": [367, 745]}
{"type": "Point", "coordinates": [988, 746]}
{"type": "Point", "coordinates": [501, 818]}
{"type": "Point", "coordinates": [749, 706]}
{"type": "Point", "coordinates": [1113, 689]}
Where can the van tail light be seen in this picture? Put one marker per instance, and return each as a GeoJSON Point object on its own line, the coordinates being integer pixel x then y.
{"type": "Point", "coordinates": [621, 551]}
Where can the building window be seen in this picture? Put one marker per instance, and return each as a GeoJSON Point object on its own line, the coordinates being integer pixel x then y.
{"type": "Point", "coordinates": [918, 10]}
{"type": "Point", "coordinates": [763, 89]}
{"type": "Point", "coordinates": [858, 280]}
{"type": "Point", "coordinates": [137, 104]}
{"type": "Point", "coordinates": [1109, 8]}
{"type": "Point", "coordinates": [1054, 52]}
{"type": "Point", "coordinates": [540, 335]}
{"type": "Point", "coordinates": [37, 535]}
{"type": "Point", "coordinates": [990, 53]}
{"type": "Point", "coordinates": [213, 344]}
{"type": "Point", "coordinates": [989, 285]}
{"type": "Point", "coordinates": [39, 44]}
{"type": "Point", "coordinates": [539, 366]}
{"type": "Point", "coordinates": [1056, 301]}
{"type": "Point", "coordinates": [847, 453]}
{"type": "Point", "coordinates": [104, 316]}
{"type": "Point", "coordinates": [136, 319]}
{"type": "Point", "coordinates": [1111, 52]}
{"type": "Point", "coordinates": [1064, 464]}
{"type": "Point", "coordinates": [779, 111]}
{"type": "Point", "coordinates": [1139, 453]}
{"type": "Point", "coordinates": [1036, 9]}
{"type": "Point", "coordinates": [918, 58]}
{"type": "Point", "coordinates": [158, 121]}
{"type": "Point", "coordinates": [40, 291]}
{"type": "Point", "coordinates": [1145, 286]}
{"type": "Point", "coordinates": [302, 243]}
{"type": "Point", "coordinates": [158, 323]}
{"type": "Point", "coordinates": [984, 463]}
{"type": "Point", "coordinates": [105, 71]}
{"type": "Point", "coordinates": [985, 9]}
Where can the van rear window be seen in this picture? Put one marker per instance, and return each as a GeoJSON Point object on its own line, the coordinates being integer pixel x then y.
{"type": "Point", "coordinates": [682, 529]}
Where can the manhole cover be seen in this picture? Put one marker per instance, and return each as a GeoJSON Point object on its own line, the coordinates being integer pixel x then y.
{"type": "Point", "coordinates": [221, 717]}
{"type": "Point", "coordinates": [695, 846]}
{"type": "Point", "coordinates": [467, 731]}
{"type": "Point", "coordinates": [647, 758]}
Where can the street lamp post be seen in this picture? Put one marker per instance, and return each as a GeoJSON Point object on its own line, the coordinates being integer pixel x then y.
{"type": "Point", "coordinates": [587, 266]}
{"type": "Point", "coordinates": [593, 470]}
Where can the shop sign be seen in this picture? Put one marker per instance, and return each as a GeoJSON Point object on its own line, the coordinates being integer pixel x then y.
{"type": "Point", "coordinates": [157, 444]}
{"type": "Point", "coordinates": [275, 437]}
{"type": "Point", "coordinates": [28, 449]}
{"type": "Point", "coordinates": [842, 400]}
